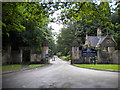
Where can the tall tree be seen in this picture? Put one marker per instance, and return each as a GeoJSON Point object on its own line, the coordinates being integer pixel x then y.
{"type": "Point", "coordinates": [82, 18]}
{"type": "Point", "coordinates": [25, 24]}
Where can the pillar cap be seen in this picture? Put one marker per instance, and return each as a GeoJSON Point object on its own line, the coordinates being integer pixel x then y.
{"type": "Point", "coordinates": [75, 43]}
{"type": "Point", "coordinates": [45, 43]}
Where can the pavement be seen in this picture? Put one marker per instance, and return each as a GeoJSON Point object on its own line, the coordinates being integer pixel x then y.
{"type": "Point", "coordinates": [60, 74]}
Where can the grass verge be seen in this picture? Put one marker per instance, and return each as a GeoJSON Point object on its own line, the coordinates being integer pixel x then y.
{"type": "Point", "coordinates": [11, 67]}
{"type": "Point", "coordinates": [16, 67]}
{"type": "Point", "coordinates": [35, 65]}
{"type": "Point", "coordinates": [100, 66]}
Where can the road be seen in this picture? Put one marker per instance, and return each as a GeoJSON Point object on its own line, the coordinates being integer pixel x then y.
{"type": "Point", "coordinates": [60, 75]}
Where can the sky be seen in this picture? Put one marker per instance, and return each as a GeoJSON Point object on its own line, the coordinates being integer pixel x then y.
{"type": "Point", "coordinates": [55, 26]}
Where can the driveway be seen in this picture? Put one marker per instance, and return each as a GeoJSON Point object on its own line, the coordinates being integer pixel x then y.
{"type": "Point", "coordinates": [60, 75]}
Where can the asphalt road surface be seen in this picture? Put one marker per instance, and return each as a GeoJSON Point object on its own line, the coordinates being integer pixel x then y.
{"type": "Point", "coordinates": [60, 75]}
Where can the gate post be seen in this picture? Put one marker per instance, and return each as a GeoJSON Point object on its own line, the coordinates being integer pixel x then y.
{"type": "Point", "coordinates": [75, 52]}
{"type": "Point", "coordinates": [45, 52]}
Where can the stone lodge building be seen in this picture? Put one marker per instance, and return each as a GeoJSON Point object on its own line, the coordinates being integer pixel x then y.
{"type": "Point", "coordinates": [105, 46]}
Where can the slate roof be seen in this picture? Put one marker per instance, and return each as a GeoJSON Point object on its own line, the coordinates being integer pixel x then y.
{"type": "Point", "coordinates": [95, 41]}
{"type": "Point", "coordinates": [110, 37]}
{"type": "Point", "coordinates": [100, 41]}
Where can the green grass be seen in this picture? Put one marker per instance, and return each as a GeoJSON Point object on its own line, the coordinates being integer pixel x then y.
{"type": "Point", "coordinates": [100, 66]}
{"type": "Point", "coordinates": [15, 67]}
{"type": "Point", "coordinates": [35, 65]}
{"type": "Point", "coordinates": [11, 67]}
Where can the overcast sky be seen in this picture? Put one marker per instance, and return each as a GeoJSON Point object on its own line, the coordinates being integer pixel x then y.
{"type": "Point", "coordinates": [56, 27]}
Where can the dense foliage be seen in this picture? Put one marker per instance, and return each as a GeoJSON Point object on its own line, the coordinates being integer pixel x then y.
{"type": "Point", "coordinates": [26, 24]}
{"type": "Point", "coordinates": [85, 17]}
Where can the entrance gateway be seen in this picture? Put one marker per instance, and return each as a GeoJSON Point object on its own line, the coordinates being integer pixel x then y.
{"type": "Point", "coordinates": [99, 49]}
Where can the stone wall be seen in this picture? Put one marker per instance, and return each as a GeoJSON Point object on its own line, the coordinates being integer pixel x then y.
{"type": "Point", "coordinates": [6, 55]}
{"type": "Point", "coordinates": [115, 57]}
{"type": "Point", "coordinates": [103, 57]}
{"type": "Point", "coordinates": [36, 58]}
{"type": "Point", "coordinates": [6, 58]}
{"type": "Point", "coordinates": [11, 58]}
{"type": "Point", "coordinates": [16, 57]}
{"type": "Point", "coordinates": [106, 57]}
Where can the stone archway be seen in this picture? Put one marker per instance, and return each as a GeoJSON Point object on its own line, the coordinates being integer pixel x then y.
{"type": "Point", "coordinates": [26, 56]}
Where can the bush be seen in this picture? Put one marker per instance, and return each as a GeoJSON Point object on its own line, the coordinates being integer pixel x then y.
{"type": "Point", "coordinates": [63, 57]}
{"type": "Point", "coordinates": [59, 54]}
{"type": "Point", "coordinates": [67, 58]}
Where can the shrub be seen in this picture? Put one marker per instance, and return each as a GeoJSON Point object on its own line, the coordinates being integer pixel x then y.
{"type": "Point", "coordinates": [68, 57]}
{"type": "Point", "coordinates": [65, 57]}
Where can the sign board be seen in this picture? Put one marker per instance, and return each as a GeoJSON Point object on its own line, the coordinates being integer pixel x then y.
{"type": "Point", "coordinates": [46, 55]}
{"type": "Point", "coordinates": [89, 52]}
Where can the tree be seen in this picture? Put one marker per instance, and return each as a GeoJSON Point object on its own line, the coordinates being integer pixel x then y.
{"type": "Point", "coordinates": [115, 17]}
{"type": "Point", "coordinates": [82, 18]}
{"type": "Point", "coordinates": [25, 24]}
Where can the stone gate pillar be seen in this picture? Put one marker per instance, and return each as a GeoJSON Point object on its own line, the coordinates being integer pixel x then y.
{"type": "Point", "coordinates": [45, 52]}
{"type": "Point", "coordinates": [75, 52]}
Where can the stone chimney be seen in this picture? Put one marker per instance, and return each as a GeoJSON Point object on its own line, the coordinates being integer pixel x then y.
{"type": "Point", "coordinates": [99, 33]}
